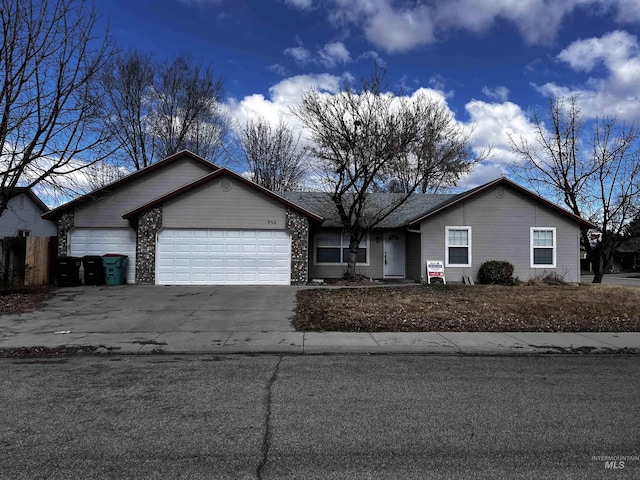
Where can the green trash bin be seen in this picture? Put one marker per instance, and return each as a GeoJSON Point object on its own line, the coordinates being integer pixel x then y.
{"type": "Point", "coordinates": [115, 268]}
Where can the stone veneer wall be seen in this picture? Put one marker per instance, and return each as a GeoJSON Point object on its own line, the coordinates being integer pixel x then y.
{"type": "Point", "coordinates": [149, 222]}
{"type": "Point", "coordinates": [298, 228]}
{"type": "Point", "coordinates": [65, 223]}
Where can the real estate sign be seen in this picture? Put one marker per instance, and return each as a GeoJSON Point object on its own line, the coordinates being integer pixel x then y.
{"type": "Point", "coordinates": [435, 271]}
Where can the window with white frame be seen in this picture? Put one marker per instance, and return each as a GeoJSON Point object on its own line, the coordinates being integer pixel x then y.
{"type": "Point", "coordinates": [543, 247]}
{"type": "Point", "coordinates": [23, 233]}
{"type": "Point", "coordinates": [458, 246]}
{"type": "Point", "coordinates": [332, 246]}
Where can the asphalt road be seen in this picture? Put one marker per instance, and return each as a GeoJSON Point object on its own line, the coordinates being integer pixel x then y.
{"type": "Point", "coordinates": [324, 417]}
{"type": "Point", "coordinates": [620, 279]}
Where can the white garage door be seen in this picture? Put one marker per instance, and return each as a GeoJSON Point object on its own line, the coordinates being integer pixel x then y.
{"type": "Point", "coordinates": [97, 241]}
{"type": "Point", "coordinates": [219, 257]}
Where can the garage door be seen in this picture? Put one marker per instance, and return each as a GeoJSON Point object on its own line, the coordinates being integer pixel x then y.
{"type": "Point", "coordinates": [221, 257]}
{"type": "Point", "coordinates": [97, 241]}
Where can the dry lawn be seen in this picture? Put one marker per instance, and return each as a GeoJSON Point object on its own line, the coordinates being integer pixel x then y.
{"type": "Point", "coordinates": [470, 308]}
{"type": "Point", "coordinates": [21, 300]}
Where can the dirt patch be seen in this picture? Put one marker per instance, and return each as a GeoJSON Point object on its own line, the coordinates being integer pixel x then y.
{"type": "Point", "coordinates": [45, 352]}
{"type": "Point", "coordinates": [25, 299]}
{"type": "Point", "coordinates": [55, 352]}
{"type": "Point", "coordinates": [467, 308]}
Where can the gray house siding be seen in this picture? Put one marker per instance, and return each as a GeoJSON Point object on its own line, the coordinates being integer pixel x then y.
{"type": "Point", "coordinates": [23, 213]}
{"type": "Point", "coordinates": [224, 204]}
{"type": "Point", "coordinates": [501, 230]}
{"type": "Point", "coordinates": [107, 212]}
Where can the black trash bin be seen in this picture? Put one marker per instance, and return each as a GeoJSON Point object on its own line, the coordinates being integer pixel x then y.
{"type": "Point", "coordinates": [68, 271]}
{"type": "Point", "coordinates": [93, 270]}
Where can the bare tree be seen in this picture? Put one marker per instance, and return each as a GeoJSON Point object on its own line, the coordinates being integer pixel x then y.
{"type": "Point", "coordinates": [160, 108]}
{"type": "Point", "coordinates": [596, 176]}
{"type": "Point", "coordinates": [273, 154]}
{"type": "Point", "coordinates": [442, 150]}
{"type": "Point", "coordinates": [129, 88]}
{"type": "Point", "coordinates": [359, 137]}
{"type": "Point", "coordinates": [188, 97]}
{"type": "Point", "coordinates": [50, 98]}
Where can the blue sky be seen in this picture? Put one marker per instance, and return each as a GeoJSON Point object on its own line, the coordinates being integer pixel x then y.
{"type": "Point", "coordinates": [492, 61]}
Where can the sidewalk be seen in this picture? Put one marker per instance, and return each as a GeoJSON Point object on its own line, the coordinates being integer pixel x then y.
{"type": "Point", "coordinates": [448, 343]}
{"type": "Point", "coordinates": [133, 319]}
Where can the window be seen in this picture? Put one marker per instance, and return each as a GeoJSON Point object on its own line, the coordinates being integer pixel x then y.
{"type": "Point", "coordinates": [458, 246]}
{"type": "Point", "coordinates": [333, 247]}
{"type": "Point", "coordinates": [543, 247]}
{"type": "Point", "coordinates": [23, 233]}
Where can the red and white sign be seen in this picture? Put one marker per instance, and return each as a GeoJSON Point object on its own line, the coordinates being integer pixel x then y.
{"type": "Point", "coordinates": [435, 271]}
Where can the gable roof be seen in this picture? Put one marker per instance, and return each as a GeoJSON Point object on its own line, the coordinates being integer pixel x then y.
{"type": "Point", "coordinates": [212, 176]}
{"type": "Point", "coordinates": [128, 179]}
{"type": "Point", "coordinates": [474, 192]}
{"type": "Point", "coordinates": [415, 205]}
{"type": "Point", "coordinates": [629, 245]}
{"type": "Point", "coordinates": [419, 206]}
{"type": "Point", "coordinates": [16, 191]}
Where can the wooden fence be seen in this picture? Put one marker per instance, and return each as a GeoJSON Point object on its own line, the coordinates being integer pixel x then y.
{"type": "Point", "coordinates": [26, 260]}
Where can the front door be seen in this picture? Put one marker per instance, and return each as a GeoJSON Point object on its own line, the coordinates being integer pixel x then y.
{"type": "Point", "coordinates": [394, 254]}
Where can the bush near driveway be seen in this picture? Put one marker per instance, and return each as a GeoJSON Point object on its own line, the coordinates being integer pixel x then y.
{"type": "Point", "coordinates": [470, 308]}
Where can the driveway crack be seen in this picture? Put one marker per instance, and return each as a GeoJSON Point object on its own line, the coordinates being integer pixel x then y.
{"type": "Point", "coordinates": [266, 439]}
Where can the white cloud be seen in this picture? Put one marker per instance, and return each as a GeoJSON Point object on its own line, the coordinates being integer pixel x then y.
{"type": "Point", "coordinates": [300, 4]}
{"type": "Point", "coordinates": [490, 121]}
{"type": "Point", "coordinates": [537, 20]}
{"type": "Point", "coordinates": [628, 11]}
{"type": "Point", "coordinates": [330, 55]}
{"type": "Point", "coordinates": [610, 49]}
{"type": "Point", "coordinates": [71, 178]}
{"type": "Point", "coordinates": [401, 26]}
{"type": "Point", "coordinates": [372, 55]}
{"type": "Point", "coordinates": [333, 54]}
{"type": "Point", "coordinates": [387, 27]}
{"type": "Point", "coordinates": [493, 123]}
{"type": "Point", "coordinates": [499, 93]}
{"type": "Point", "coordinates": [616, 93]}
{"type": "Point", "coordinates": [437, 81]}
{"type": "Point", "coordinates": [300, 54]}
{"type": "Point", "coordinates": [281, 97]}
{"type": "Point", "coordinates": [278, 69]}
{"type": "Point", "coordinates": [481, 174]}
{"type": "Point", "coordinates": [400, 30]}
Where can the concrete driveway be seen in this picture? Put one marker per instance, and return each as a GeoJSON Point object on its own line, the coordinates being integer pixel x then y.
{"type": "Point", "coordinates": [147, 308]}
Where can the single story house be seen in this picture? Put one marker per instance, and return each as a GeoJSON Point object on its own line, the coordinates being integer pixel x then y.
{"type": "Point", "coordinates": [184, 221]}
{"type": "Point", "coordinates": [627, 256]}
{"type": "Point", "coordinates": [23, 216]}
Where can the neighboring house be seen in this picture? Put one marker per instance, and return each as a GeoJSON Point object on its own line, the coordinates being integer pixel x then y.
{"type": "Point", "coordinates": [93, 224]}
{"type": "Point", "coordinates": [185, 221]}
{"type": "Point", "coordinates": [22, 218]}
{"type": "Point", "coordinates": [627, 256]}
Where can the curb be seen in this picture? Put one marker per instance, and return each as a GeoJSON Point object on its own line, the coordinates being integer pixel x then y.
{"type": "Point", "coordinates": [66, 351]}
